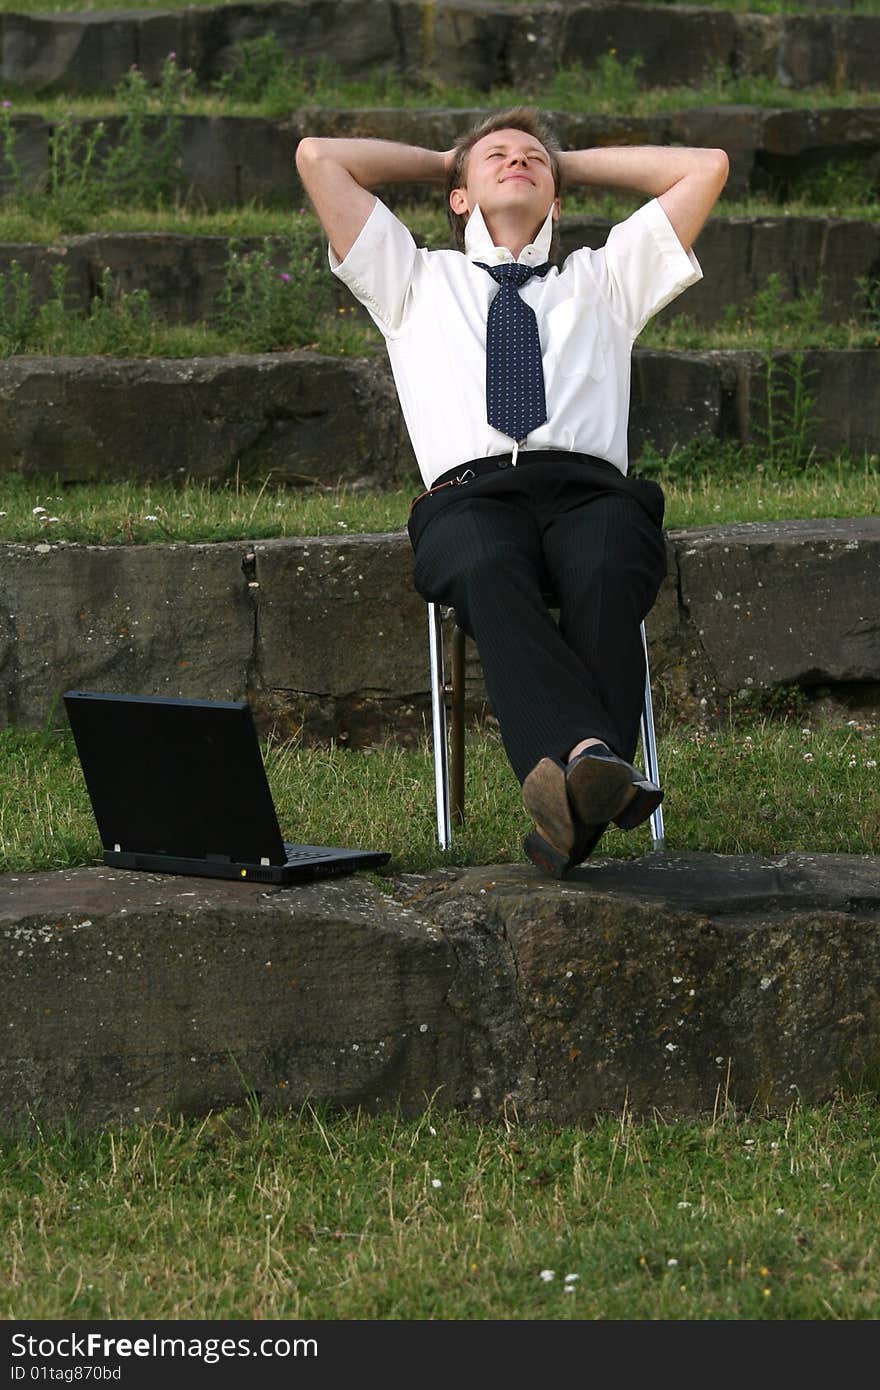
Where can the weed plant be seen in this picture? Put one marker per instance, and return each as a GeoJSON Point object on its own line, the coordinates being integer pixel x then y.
{"type": "Point", "coordinates": [89, 170]}
{"type": "Point", "coordinates": [428, 223]}
{"type": "Point", "coordinates": [263, 81]}
{"type": "Point", "coordinates": [279, 296]}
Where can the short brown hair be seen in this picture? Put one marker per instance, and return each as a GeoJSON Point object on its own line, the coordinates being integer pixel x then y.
{"type": "Point", "coordinates": [524, 118]}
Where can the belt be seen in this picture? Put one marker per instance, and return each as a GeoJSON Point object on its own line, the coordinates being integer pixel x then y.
{"type": "Point", "coordinates": [478, 468]}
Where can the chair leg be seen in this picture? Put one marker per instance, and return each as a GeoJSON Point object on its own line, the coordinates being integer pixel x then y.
{"type": "Point", "coordinates": [456, 711]}
{"type": "Point", "coordinates": [649, 749]}
{"type": "Point", "coordinates": [438, 724]}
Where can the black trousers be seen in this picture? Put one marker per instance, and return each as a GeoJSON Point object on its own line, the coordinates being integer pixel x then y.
{"type": "Point", "coordinates": [558, 527]}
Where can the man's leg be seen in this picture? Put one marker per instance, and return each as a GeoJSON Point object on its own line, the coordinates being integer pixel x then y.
{"type": "Point", "coordinates": [483, 556]}
{"type": "Point", "coordinates": [606, 560]}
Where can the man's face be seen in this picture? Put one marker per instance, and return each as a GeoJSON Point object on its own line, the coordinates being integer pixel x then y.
{"type": "Point", "coordinates": [506, 172]}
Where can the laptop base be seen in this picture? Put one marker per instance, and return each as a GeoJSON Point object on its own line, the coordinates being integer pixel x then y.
{"type": "Point", "coordinates": [319, 867]}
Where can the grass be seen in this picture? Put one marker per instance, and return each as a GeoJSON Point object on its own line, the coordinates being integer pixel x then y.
{"type": "Point", "coordinates": [722, 485]}
{"type": "Point", "coordinates": [787, 785]}
{"type": "Point", "coordinates": [574, 89]}
{"type": "Point", "coordinates": [428, 224]}
{"type": "Point", "coordinates": [311, 1215]}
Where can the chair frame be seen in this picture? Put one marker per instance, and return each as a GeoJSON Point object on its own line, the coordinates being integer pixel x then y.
{"type": "Point", "coordinates": [449, 782]}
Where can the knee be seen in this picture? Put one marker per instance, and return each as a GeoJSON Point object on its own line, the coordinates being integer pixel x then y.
{"type": "Point", "coordinates": [460, 574]}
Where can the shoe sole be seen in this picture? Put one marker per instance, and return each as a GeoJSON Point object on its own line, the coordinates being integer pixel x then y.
{"type": "Point", "coordinates": [643, 805]}
{"type": "Point", "coordinates": [545, 856]}
{"type": "Point", "coordinates": [546, 800]}
{"type": "Point", "coordinates": [599, 790]}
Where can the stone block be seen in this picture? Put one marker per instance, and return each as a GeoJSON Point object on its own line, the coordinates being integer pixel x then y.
{"type": "Point", "coordinates": [303, 417]}
{"type": "Point", "coordinates": [652, 985]}
{"type": "Point", "coordinates": [150, 620]}
{"type": "Point", "coordinates": [783, 603]}
{"type": "Point", "coordinates": [31, 153]}
{"type": "Point", "coordinates": [677, 46]}
{"type": "Point", "coordinates": [676, 397]}
{"type": "Point", "coordinates": [338, 616]}
{"type": "Point", "coordinates": [835, 380]}
{"type": "Point", "coordinates": [147, 994]}
{"type": "Point", "coordinates": [219, 167]}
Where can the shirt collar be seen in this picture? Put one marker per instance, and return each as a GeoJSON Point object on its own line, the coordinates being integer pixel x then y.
{"type": "Point", "coordinates": [479, 246]}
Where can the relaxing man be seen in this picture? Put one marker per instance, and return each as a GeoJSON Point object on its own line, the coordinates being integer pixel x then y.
{"type": "Point", "coordinates": [514, 382]}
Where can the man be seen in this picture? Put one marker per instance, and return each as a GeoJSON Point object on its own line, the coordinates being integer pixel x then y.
{"type": "Point", "coordinates": [514, 380]}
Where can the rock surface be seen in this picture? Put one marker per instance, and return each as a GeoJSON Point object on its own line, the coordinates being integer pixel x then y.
{"type": "Point", "coordinates": [676, 983]}
{"type": "Point", "coordinates": [307, 418]}
{"type": "Point", "coordinates": [475, 41]}
{"type": "Point", "coordinates": [326, 635]}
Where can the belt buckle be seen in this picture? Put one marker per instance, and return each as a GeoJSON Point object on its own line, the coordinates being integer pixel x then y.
{"type": "Point", "coordinates": [465, 477]}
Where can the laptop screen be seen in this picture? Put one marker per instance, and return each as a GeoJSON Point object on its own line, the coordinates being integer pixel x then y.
{"type": "Point", "coordinates": [175, 776]}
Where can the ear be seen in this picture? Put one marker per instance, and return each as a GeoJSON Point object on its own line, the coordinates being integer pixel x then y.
{"type": "Point", "coordinates": [458, 201]}
{"type": "Point", "coordinates": [557, 207]}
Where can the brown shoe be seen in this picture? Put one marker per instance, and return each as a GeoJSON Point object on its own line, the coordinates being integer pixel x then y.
{"type": "Point", "coordinates": [560, 840]}
{"type": "Point", "coordinates": [594, 778]}
{"type": "Point", "coordinates": [545, 797]}
{"type": "Point", "coordinates": [546, 856]}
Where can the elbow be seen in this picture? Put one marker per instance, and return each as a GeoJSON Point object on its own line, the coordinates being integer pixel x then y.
{"type": "Point", "coordinates": [720, 166]}
{"type": "Point", "coordinates": [306, 152]}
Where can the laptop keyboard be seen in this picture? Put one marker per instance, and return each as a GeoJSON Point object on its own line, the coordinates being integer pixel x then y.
{"type": "Point", "coordinates": [292, 853]}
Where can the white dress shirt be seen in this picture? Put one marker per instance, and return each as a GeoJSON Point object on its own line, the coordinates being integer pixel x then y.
{"type": "Point", "coordinates": [431, 308]}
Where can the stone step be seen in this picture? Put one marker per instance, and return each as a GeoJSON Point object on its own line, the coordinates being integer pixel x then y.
{"type": "Point", "coordinates": [663, 985]}
{"type": "Point", "coordinates": [184, 274]}
{"type": "Point", "coordinates": [770, 149]}
{"type": "Point", "coordinates": [327, 637]}
{"type": "Point", "coordinates": [313, 419]}
{"type": "Point", "coordinates": [474, 42]}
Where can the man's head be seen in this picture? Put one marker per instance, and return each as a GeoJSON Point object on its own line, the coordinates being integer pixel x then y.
{"type": "Point", "coordinates": [509, 165]}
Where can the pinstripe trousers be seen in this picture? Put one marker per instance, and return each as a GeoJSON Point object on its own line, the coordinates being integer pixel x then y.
{"type": "Point", "coordinates": [562, 532]}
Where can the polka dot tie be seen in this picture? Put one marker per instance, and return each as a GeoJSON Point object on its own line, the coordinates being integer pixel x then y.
{"type": "Point", "coordinates": [515, 402]}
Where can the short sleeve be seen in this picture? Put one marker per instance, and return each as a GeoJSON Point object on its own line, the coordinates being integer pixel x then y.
{"type": "Point", "coordinates": [379, 268]}
{"type": "Point", "coordinates": [642, 266]}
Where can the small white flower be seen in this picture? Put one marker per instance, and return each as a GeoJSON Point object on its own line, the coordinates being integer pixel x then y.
{"type": "Point", "coordinates": [682, 1205]}
{"type": "Point", "coordinates": [36, 511]}
{"type": "Point", "coordinates": [872, 762]}
{"type": "Point", "coordinates": [435, 1182]}
{"type": "Point", "coordinates": [572, 1278]}
{"type": "Point", "coordinates": [150, 517]}
{"type": "Point", "coordinates": [547, 1275]}
{"type": "Point", "coordinates": [780, 1211]}
{"type": "Point", "coordinates": [432, 1131]}
{"type": "Point", "coordinates": [569, 1288]}
{"type": "Point", "coordinates": [808, 757]}
{"type": "Point", "coordinates": [672, 1263]}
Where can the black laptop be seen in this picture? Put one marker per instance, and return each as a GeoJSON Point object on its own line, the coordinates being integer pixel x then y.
{"type": "Point", "coordinates": [179, 787]}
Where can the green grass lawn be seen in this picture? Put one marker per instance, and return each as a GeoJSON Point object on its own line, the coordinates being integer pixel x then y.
{"type": "Point", "coordinates": [751, 786]}
{"type": "Point", "coordinates": [717, 486]}
{"type": "Point", "coordinates": [319, 1216]}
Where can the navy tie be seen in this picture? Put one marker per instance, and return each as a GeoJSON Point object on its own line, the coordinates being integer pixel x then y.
{"type": "Point", "coordinates": [515, 402]}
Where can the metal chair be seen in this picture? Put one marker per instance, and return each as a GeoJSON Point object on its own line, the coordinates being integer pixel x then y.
{"type": "Point", "coordinates": [450, 793]}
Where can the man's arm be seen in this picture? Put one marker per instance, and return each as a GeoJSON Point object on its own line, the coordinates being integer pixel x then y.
{"type": "Point", "coordinates": [686, 182]}
{"type": "Point", "coordinates": [338, 176]}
